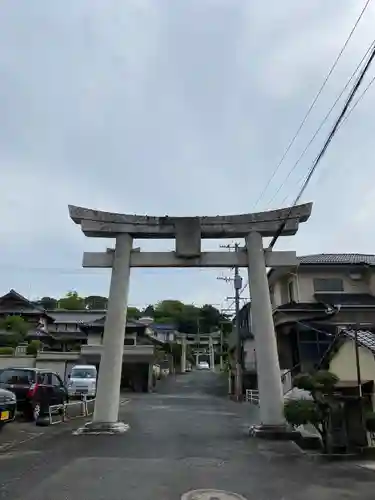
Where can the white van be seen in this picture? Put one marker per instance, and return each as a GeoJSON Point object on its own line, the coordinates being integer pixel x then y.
{"type": "Point", "coordinates": [82, 381]}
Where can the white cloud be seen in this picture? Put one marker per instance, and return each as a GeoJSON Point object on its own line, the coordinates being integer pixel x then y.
{"type": "Point", "coordinates": [169, 108]}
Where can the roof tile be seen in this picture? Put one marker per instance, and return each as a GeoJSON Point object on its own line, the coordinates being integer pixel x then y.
{"type": "Point", "coordinates": [338, 258]}
{"type": "Point", "coordinates": [366, 338]}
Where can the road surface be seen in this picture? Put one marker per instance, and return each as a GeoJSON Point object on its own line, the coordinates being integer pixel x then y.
{"type": "Point", "coordinates": [185, 437]}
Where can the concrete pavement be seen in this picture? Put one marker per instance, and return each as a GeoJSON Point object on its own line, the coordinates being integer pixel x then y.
{"type": "Point", "coordinates": [187, 436]}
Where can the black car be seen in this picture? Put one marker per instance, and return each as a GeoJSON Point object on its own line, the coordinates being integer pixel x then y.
{"type": "Point", "coordinates": [8, 404]}
{"type": "Point", "coordinates": [36, 390]}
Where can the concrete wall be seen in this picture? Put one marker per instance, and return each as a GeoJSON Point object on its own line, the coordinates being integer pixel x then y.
{"type": "Point", "coordinates": [344, 363]}
{"type": "Point", "coordinates": [17, 362]}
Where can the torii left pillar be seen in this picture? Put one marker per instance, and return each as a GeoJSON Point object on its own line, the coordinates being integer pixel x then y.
{"type": "Point", "coordinates": [105, 418]}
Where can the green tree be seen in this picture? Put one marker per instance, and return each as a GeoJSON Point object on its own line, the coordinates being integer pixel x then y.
{"type": "Point", "coordinates": [319, 409]}
{"type": "Point", "coordinates": [133, 313]}
{"type": "Point", "coordinates": [47, 303]}
{"type": "Point", "coordinates": [17, 326]}
{"type": "Point", "coordinates": [72, 301]}
{"type": "Point", "coordinates": [149, 311]}
{"type": "Point", "coordinates": [210, 318]}
{"type": "Point", "coordinates": [96, 302]}
{"type": "Point", "coordinates": [33, 347]}
{"type": "Point", "coordinates": [168, 311]}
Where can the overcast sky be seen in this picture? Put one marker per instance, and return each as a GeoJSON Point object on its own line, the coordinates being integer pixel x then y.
{"type": "Point", "coordinates": [179, 107]}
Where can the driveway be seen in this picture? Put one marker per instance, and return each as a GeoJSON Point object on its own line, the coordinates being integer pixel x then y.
{"type": "Point", "coordinates": [187, 436]}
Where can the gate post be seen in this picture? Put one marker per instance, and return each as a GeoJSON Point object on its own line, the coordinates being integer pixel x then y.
{"type": "Point", "coordinates": [268, 368]}
{"type": "Point", "coordinates": [107, 401]}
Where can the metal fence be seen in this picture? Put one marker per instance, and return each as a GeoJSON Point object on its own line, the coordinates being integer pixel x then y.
{"type": "Point", "coordinates": [252, 396]}
{"type": "Point", "coordinates": [70, 411]}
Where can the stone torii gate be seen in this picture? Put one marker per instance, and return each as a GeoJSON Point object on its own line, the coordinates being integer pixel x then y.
{"type": "Point", "coordinates": [188, 232]}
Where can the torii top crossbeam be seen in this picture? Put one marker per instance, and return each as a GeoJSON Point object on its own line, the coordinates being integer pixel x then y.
{"type": "Point", "coordinates": [106, 224]}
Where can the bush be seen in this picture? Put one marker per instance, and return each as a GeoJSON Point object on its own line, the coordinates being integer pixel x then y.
{"type": "Point", "coordinates": [317, 411]}
{"type": "Point", "coordinates": [33, 347]}
{"type": "Point", "coordinates": [301, 412]}
{"type": "Point", "coordinates": [9, 351]}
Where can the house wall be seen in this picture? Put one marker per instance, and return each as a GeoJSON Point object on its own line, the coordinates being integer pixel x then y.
{"type": "Point", "coordinates": [303, 282]}
{"type": "Point", "coordinates": [371, 282]}
{"type": "Point", "coordinates": [61, 363]}
{"type": "Point", "coordinates": [249, 354]}
{"type": "Point", "coordinates": [344, 365]}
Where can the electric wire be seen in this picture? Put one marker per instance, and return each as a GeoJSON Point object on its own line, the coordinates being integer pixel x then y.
{"type": "Point", "coordinates": [323, 122]}
{"type": "Point", "coordinates": [313, 102]}
{"type": "Point", "coordinates": [322, 152]}
{"type": "Point", "coordinates": [344, 115]}
{"type": "Point", "coordinates": [350, 111]}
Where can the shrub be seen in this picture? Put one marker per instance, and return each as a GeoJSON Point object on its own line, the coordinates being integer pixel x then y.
{"type": "Point", "coordinates": [317, 411]}
{"type": "Point", "coordinates": [33, 347]}
{"type": "Point", "coordinates": [7, 351]}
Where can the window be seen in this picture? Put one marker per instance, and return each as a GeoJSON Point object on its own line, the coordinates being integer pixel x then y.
{"type": "Point", "coordinates": [44, 378]}
{"type": "Point", "coordinates": [17, 377]}
{"type": "Point", "coordinates": [55, 380]}
{"type": "Point", "coordinates": [328, 285]}
{"type": "Point", "coordinates": [83, 372]}
{"type": "Point", "coordinates": [129, 341]}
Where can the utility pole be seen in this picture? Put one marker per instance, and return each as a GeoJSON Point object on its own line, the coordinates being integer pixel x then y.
{"type": "Point", "coordinates": [237, 280]}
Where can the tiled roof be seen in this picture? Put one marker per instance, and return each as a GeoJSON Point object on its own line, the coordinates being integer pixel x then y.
{"type": "Point", "coordinates": [338, 258]}
{"type": "Point", "coordinates": [29, 306]}
{"type": "Point", "coordinates": [366, 338]}
{"type": "Point", "coordinates": [85, 316]}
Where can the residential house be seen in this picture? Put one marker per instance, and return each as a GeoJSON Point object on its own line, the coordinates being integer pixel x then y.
{"type": "Point", "coordinates": [350, 350]}
{"type": "Point", "coordinates": [81, 331]}
{"type": "Point", "coordinates": [163, 332]}
{"type": "Point", "coordinates": [14, 304]}
{"type": "Point", "coordinates": [311, 303]}
{"type": "Point", "coordinates": [138, 357]}
{"type": "Point", "coordinates": [247, 355]}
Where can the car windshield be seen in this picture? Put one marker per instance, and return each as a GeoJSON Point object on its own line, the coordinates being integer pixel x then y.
{"type": "Point", "coordinates": [20, 377]}
{"type": "Point", "coordinates": [83, 373]}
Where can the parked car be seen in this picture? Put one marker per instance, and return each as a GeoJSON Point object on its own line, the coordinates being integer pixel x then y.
{"type": "Point", "coordinates": [8, 404]}
{"type": "Point", "coordinates": [203, 365]}
{"type": "Point", "coordinates": [82, 381]}
{"type": "Point", "coordinates": [36, 390]}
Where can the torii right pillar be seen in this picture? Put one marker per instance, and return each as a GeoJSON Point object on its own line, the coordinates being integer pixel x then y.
{"type": "Point", "coordinates": [271, 401]}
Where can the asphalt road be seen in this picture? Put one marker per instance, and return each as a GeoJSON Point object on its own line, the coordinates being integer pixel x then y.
{"type": "Point", "coordinates": [187, 436]}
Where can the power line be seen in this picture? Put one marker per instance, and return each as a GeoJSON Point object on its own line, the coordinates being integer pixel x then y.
{"type": "Point", "coordinates": [357, 101]}
{"type": "Point", "coordinates": [350, 111]}
{"type": "Point", "coordinates": [321, 124]}
{"type": "Point", "coordinates": [327, 143]}
{"type": "Point", "coordinates": [313, 102]}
